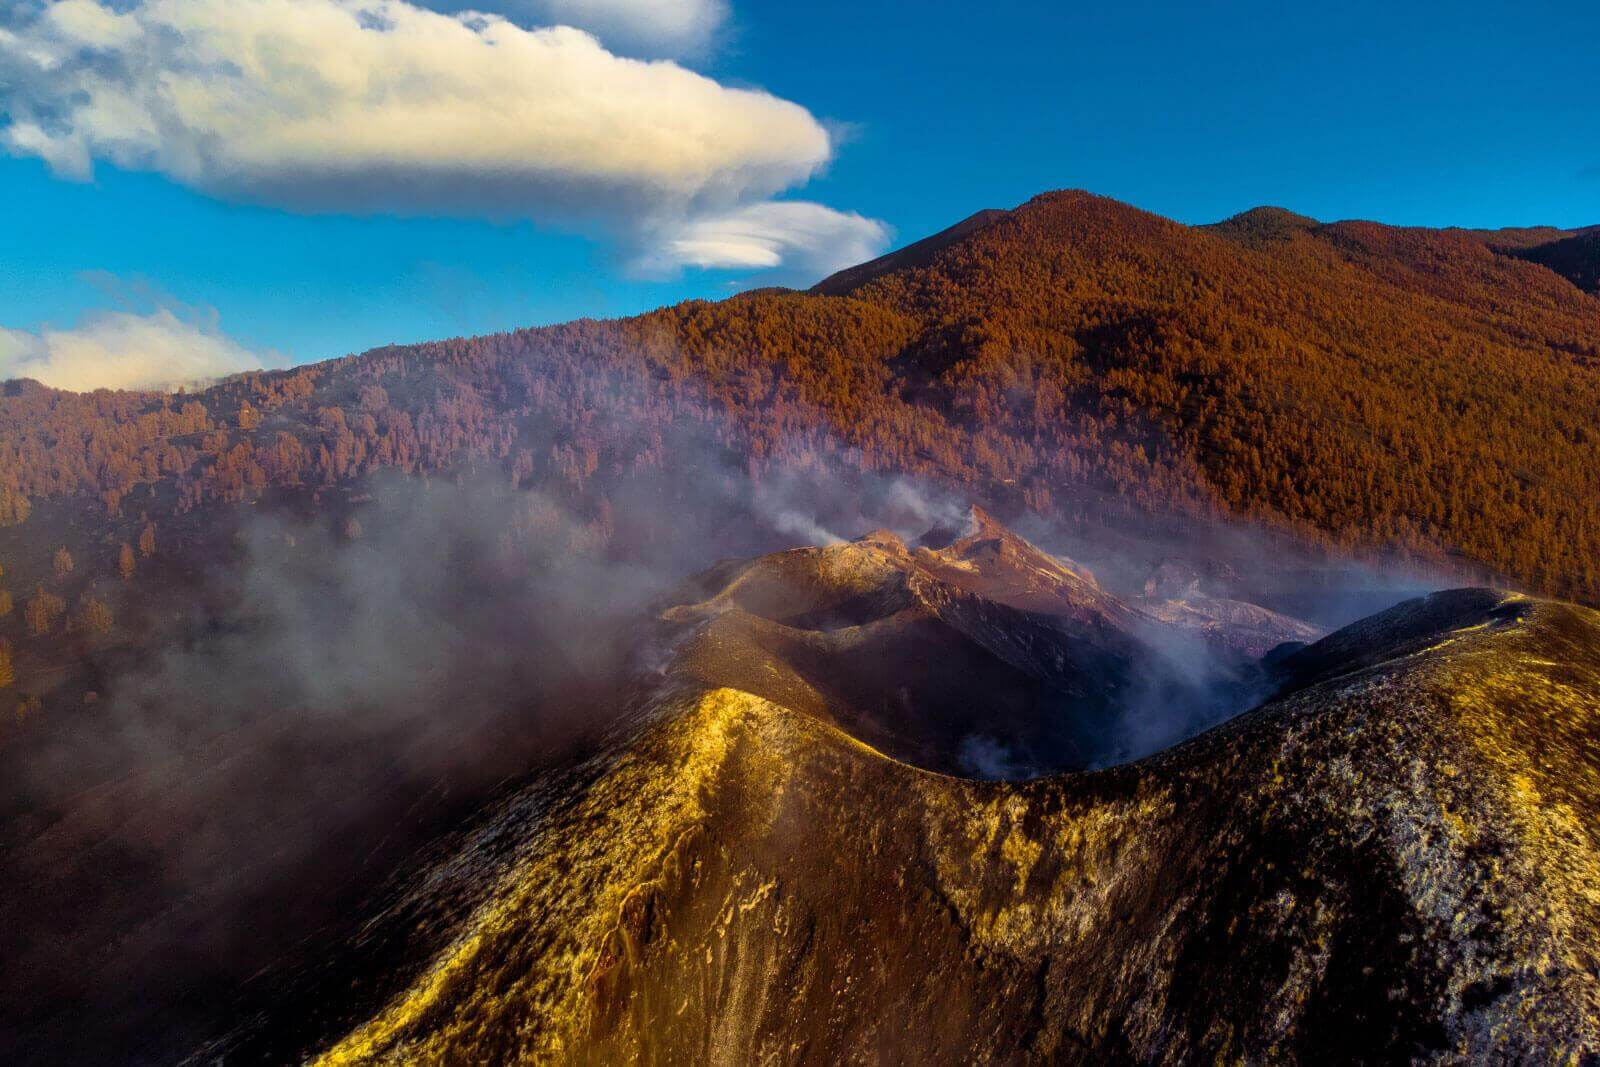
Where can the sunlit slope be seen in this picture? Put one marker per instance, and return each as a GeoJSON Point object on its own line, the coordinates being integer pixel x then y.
{"type": "Point", "coordinates": [1397, 858]}
{"type": "Point", "coordinates": [1361, 385]}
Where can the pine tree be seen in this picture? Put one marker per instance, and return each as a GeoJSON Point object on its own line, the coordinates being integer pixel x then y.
{"type": "Point", "coordinates": [8, 673]}
{"type": "Point", "coordinates": [125, 562]}
{"type": "Point", "coordinates": [94, 617]}
{"type": "Point", "coordinates": [63, 562]}
{"type": "Point", "coordinates": [14, 507]}
{"type": "Point", "coordinates": [147, 540]}
{"type": "Point", "coordinates": [42, 611]}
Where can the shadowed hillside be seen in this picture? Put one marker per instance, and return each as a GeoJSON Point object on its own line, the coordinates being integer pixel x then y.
{"type": "Point", "coordinates": [1576, 258]}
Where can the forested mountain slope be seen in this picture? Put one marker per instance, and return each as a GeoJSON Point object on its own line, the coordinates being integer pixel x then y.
{"type": "Point", "coordinates": [1576, 258]}
{"type": "Point", "coordinates": [1362, 384]}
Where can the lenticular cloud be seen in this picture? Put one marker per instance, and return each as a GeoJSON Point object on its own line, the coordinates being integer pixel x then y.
{"type": "Point", "coordinates": [674, 28]}
{"type": "Point", "coordinates": [382, 106]}
{"type": "Point", "coordinates": [809, 237]}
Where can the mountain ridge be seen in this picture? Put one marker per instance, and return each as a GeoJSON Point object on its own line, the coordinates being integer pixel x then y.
{"type": "Point", "coordinates": [1360, 388]}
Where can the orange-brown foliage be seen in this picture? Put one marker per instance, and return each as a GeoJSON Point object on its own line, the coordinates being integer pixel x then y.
{"type": "Point", "coordinates": [1366, 385]}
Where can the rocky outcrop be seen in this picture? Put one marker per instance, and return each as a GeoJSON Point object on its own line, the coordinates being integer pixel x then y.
{"type": "Point", "coordinates": [972, 653]}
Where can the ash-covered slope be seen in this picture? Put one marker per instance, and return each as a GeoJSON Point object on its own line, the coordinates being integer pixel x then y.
{"type": "Point", "coordinates": [1394, 857]}
{"type": "Point", "coordinates": [1179, 595]}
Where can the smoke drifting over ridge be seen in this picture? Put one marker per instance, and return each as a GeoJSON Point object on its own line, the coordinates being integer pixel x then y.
{"type": "Point", "coordinates": [342, 688]}
{"type": "Point", "coordinates": [343, 692]}
{"type": "Point", "coordinates": [125, 350]}
{"type": "Point", "coordinates": [353, 683]}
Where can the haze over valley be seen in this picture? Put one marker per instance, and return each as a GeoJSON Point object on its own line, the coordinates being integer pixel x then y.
{"type": "Point", "coordinates": [904, 628]}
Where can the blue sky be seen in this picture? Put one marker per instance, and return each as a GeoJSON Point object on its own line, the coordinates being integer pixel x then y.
{"type": "Point", "coordinates": [878, 123]}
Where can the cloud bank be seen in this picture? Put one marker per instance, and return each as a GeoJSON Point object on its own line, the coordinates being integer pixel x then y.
{"type": "Point", "coordinates": [123, 350]}
{"type": "Point", "coordinates": [380, 106]}
{"type": "Point", "coordinates": [673, 28]}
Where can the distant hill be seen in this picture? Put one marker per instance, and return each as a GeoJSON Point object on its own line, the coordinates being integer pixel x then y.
{"type": "Point", "coordinates": [1264, 224]}
{"type": "Point", "coordinates": [1363, 386]}
{"type": "Point", "coordinates": [1575, 258]}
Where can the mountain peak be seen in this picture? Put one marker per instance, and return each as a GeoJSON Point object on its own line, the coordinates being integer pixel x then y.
{"type": "Point", "coordinates": [1264, 223]}
{"type": "Point", "coordinates": [916, 254]}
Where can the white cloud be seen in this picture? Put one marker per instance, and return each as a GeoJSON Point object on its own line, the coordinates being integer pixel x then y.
{"type": "Point", "coordinates": [810, 238]}
{"type": "Point", "coordinates": [123, 350]}
{"type": "Point", "coordinates": [634, 27]}
{"type": "Point", "coordinates": [382, 106]}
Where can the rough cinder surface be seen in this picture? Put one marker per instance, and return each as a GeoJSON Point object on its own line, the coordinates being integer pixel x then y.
{"type": "Point", "coordinates": [1395, 859]}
